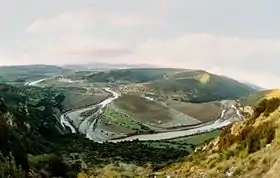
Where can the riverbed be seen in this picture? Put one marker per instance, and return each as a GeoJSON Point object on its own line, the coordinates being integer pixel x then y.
{"type": "Point", "coordinates": [89, 125]}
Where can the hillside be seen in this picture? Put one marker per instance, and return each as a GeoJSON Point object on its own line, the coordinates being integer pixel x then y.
{"type": "Point", "coordinates": [178, 84]}
{"type": "Point", "coordinates": [201, 86]}
{"type": "Point", "coordinates": [22, 74]}
{"type": "Point", "coordinates": [139, 75]}
{"type": "Point", "coordinates": [245, 149]}
{"type": "Point", "coordinates": [254, 98]}
{"type": "Point", "coordinates": [33, 141]}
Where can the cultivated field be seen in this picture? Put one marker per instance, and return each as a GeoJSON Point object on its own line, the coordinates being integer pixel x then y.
{"type": "Point", "coordinates": [144, 110]}
{"type": "Point", "coordinates": [156, 115]}
{"type": "Point", "coordinates": [201, 111]}
{"type": "Point", "coordinates": [77, 94]}
{"type": "Point", "coordinates": [118, 122]}
{"type": "Point", "coordinates": [75, 99]}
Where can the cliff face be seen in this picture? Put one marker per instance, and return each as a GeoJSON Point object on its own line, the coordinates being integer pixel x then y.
{"type": "Point", "coordinates": [245, 149]}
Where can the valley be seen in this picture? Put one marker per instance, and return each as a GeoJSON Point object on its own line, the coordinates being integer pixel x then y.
{"type": "Point", "coordinates": [165, 122]}
{"type": "Point", "coordinates": [103, 117]}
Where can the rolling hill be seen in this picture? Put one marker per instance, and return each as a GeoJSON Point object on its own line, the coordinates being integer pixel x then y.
{"type": "Point", "coordinates": [180, 84]}
{"type": "Point", "coordinates": [254, 98]}
{"type": "Point", "coordinates": [139, 75]}
{"type": "Point", "coordinates": [21, 74]}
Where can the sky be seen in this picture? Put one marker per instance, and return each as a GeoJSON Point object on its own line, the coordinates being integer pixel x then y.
{"type": "Point", "coordinates": [239, 39]}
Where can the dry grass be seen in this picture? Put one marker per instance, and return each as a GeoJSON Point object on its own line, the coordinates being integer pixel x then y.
{"type": "Point", "coordinates": [255, 165]}
{"type": "Point", "coordinates": [235, 159]}
{"type": "Point", "coordinates": [120, 170]}
{"type": "Point", "coordinates": [201, 111]}
{"type": "Point", "coordinates": [272, 94]}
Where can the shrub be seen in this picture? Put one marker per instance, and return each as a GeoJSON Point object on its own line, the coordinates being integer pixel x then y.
{"type": "Point", "coordinates": [9, 169]}
{"type": "Point", "coordinates": [51, 163]}
{"type": "Point", "coordinates": [250, 139]}
{"type": "Point", "coordinates": [266, 107]}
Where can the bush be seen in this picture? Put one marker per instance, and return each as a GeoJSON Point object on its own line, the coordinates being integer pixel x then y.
{"type": "Point", "coordinates": [9, 169]}
{"type": "Point", "coordinates": [251, 139]}
{"type": "Point", "coordinates": [53, 164]}
{"type": "Point", "coordinates": [266, 107]}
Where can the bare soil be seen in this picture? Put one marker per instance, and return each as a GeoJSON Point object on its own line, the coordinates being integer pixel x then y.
{"type": "Point", "coordinates": [201, 111]}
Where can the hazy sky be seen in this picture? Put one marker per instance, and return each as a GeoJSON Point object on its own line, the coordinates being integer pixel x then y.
{"type": "Point", "coordinates": [238, 38]}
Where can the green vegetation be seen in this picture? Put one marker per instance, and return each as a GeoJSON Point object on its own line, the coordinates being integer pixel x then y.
{"type": "Point", "coordinates": [266, 107]}
{"type": "Point", "coordinates": [179, 84]}
{"type": "Point", "coordinates": [22, 74]}
{"type": "Point", "coordinates": [31, 135]}
{"type": "Point", "coordinates": [199, 139]}
{"type": "Point", "coordinates": [120, 122]}
{"type": "Point", "coordinates": [131, 75]}
{"type": "Point", "coordinates": [9, 169]}
{"type": "Point", "coordinates": [202, 88]}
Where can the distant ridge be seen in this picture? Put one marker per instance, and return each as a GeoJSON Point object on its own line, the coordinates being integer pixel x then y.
{"type": "Point", "coordinates": [106, 66]}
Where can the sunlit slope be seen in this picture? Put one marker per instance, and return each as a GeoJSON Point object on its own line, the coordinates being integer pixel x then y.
{"type": "Point", "coordinates": [256, 97]}
{"type": "Point", "coordinates": [245, 149]}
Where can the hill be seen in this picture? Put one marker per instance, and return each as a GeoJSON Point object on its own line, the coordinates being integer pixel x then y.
{"type": "Point", "coordinates": [256, 87]}
{"type": "Point", "coordinates": [33, 141]}
{"type": "Point", "coordinates": [179, 84]}
{"type": "Point", "coordinates": [244, 149]}
{"type": "Point", "coordinates": [138, 75]}
{"type": "Point", "coordinates": [254, 98]}
{"type": "Point", "coordinates": [104, 66]}
{"type": "Point", "coordinates": [22, 74]}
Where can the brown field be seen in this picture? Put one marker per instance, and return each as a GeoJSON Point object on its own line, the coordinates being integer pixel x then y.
{"type": "Point", "coordinates": [75, 100]}
{"type": "Point", "coordinates": [201, 111]}
{"type": "Point", "coordinates": [77, 95]}
{"type": "Point", "coordinates": [144, 110]}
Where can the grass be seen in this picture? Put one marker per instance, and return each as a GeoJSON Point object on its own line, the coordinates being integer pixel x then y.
{"type": "Point", "coordinates": [198, 139]}
{"type": "Point", "coordinates": [119, 122]}
{"type": "Point", "coordinates": [273, 94]}
{"type": "Point", "coordinates": [171, 145]}
{"type": "Point", "coordinates": [255, 98]}
{"type": "Point", "coordinates": [249, 152]}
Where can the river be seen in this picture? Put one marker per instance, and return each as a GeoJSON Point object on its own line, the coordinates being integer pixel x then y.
{"type": "Point", "coordinates": [87, 125]}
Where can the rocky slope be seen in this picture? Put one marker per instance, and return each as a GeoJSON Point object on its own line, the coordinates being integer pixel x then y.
{"type": "Point", "coordinates": [244, 149]}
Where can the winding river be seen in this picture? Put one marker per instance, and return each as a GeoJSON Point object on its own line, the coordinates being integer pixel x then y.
{"type": "Point", "coordinates": [88, 125]}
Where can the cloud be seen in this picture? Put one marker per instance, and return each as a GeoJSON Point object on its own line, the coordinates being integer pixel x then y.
{"type": "Point", "coordinates": [70, 21]}
{"type": "Point", "coordinates": [131, 20]}
{"type": "Point", "coordinates": [248, 59]}
{"type": "Point", "coordinates": [72, 38]}
{"type": "Point", "coordinates": [99, 53]}
{"type": "Point", "coordinates": [81, 20]}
